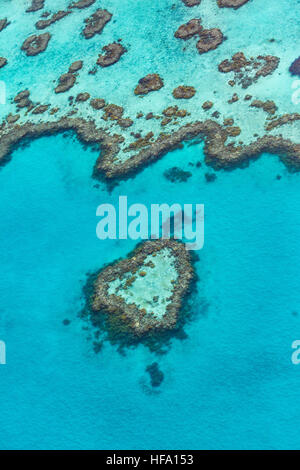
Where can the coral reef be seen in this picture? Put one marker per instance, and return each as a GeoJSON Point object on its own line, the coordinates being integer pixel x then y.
{"type": "Point", "coordinates": [209, 40]}
{"type": "Point", "coordinates": [42, 24]}
{"type": "Point", "coordinates": [150, 82]}
{"type": "Point", "coordinates": [82, 4]}
{"type": "Point", "coordinates": [177, 175]}
{"type": "Point", "coordinates": [268, 106]}
{"type": "Point", "coordinates": [35, 6]}
{"type": "Point", "coordinates": [118, 287]}
{"type": "Point", "coordinates": [113, 53]}
{"type": "Point", "coordinates": [295, 67]}
{"type": "Point", "coordinates": [3, 24]}
{"type": "Point", "coordinates": [184, 92]}
{"type": "Point", "coordinates": [231, 3]}
{"type": "Point", "coordinates": [189, 29]}
{"type": "Point", "coordinates": [95, 23]}
{"type": "Point", "coordinates": [75, 66]}
{"type": "Point", "coordinates": [191, 3]}
{"type": "Point", "coordinates": [248, 71]}
{"type": "Point", "coordinates": [36, 44]}
{"type": "Point", "coordinates": [97, 103]}
{"type": "Point", "coordinates": [66, 81]}
{"type": "Point", "coordinates": [3, 61]}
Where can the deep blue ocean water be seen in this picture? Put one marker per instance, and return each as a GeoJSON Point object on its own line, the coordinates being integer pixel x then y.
{"type": "Point", "coordinates": [230, 384]}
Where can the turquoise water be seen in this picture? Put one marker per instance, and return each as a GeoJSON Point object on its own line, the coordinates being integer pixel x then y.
{"type": "Point", "coordinates": [230, 384]}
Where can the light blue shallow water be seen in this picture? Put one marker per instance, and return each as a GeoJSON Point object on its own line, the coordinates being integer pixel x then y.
{"type": "Point", "coordinates": [230, 384]}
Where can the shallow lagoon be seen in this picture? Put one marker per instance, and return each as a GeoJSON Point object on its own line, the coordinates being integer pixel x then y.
{"type": "Point", "coordinates": [230, 384]}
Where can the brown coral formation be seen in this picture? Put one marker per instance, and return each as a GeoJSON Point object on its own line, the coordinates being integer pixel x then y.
{"type": "Point", "coordinates": [75, 66]}
{"type": "Point", "coordinates": [248, 71]}
{"type": "Point", "coordinates": [36, 44]}
{"type": "Point", "coordinates": [42, 24]}
{"type": "Point", "coordinates": [137, 319]}
{"type": "Point", "coordinates": [81, 97]}
{"type": "Point", "coordinates": [40, 109]}
{"type": "Point", "coordinates": [282, 120]}
{"type": "Point", "coordinates": [3, 24]}
{"type": "Point", "coordinates": [184, 92]}
{"type": "Point", "coordinates": [189, 29]}
{"type": "Point", "coordinates": [112, 112]}
{"type": "Point", "coordinates": [217, 153]}
{"type": "Point", "coordinates": [66, 81]}
{"type": "Point", "coordinates": [191, 3]}
{"type": "Point", "coordinates": [295, 67]}
{"type": "Point", "coordinates": [35, 6]}
{"type": "Point", "coordinates": [82, 4]}
{"type": "Point", "coordinates": [231, 3]}
{"type": "Point", "coordinates": [150, 82]}
{"type": "Point", "coordinates": [95, 23]}
{"type": "Point", "coordinates": [22, 99]}
{"type": "Point", "coordinates": [3, 61]}
{"type": "Point", "coordinates": [209, 40]}
{"type": "Point", "coordinates": [113, 53]}
{"type": "Point", "coordinates": [97, 103]}
{"type": "Point", "coordinates": [207, 105]}
{"type": "Point", "coordinates": [267, 106]}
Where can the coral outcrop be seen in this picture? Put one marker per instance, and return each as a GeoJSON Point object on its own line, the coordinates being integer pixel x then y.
{"type": "Point", "coordinates": [231, 3]}
{"type": "Point", "coordinates": [209, 40]}
{"type": "Point", "coordinates": [140, 291]}
{"type": "Point", "coordinates": [36, 44]}
{"type": "Point", "coordinates": [150, 82]}
{"type": "Point", "coordinates": [248, 71]}
{"type": "Point", "coordinates": [184, 92]}
{"type": "Point", "coordinates": [113, 53]}
{"type": "Point", "coordinates": [35, 6]}
{"type": "Point", "coordinates": [82, 4]}
{"type": "Point", "coordinates": [295, 67]}
{"type": "Point", "coordinates": [66, 81]}
{"type": "Point", "coordinates": [95, 23]}
{"type": "Point", "coordinates": [3, 24]}
{"type": "Point", "coordinates": [42, 24]}
{"type": "Point", "coordinates": [191, 3]}
{"type": "Point", "coordinates": [189, 29]}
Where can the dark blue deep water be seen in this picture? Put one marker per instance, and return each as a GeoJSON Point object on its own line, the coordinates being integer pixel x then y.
{"type": "Point", "coordinates": [230, 384]}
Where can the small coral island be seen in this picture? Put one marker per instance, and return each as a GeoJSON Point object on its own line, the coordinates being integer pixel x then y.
{"type": "Point", "coordinates": [142, 294]}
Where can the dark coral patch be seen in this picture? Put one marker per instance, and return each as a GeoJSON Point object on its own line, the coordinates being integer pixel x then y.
{"type": "Point", "coordinates": [156, 375]}
{"type": "Point", "coordinates": [209, 40]}
{"type": "Point", "coordinates": [113, 53]}
{"type": "Point", "coordinates": [295, 67]}
{"type": "Point", "coordinates": [231, 3]}
{"type": "Point", "coordinates": [189, 29]}
{"type": "Point", "coordinates": [95, 23]}
{"type": "Point", "coordinates": [150, 82]}
{"type": "Point", "coordinates": [36, 44]}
